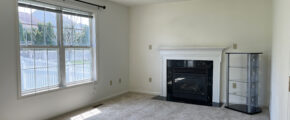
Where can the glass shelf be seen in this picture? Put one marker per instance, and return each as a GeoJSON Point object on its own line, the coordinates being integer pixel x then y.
{"type": "Point", "coordinates": [235, 94]}
{"type": "Point", "coordinates": [238, 95]}
{"type": "Point", "coordinates": [242, 82]}
{"type": "Point", "coordinates": [238, 67]}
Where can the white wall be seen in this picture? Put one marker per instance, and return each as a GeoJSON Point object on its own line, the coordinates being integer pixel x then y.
{"type": "Point", "coordinates": [113, 64]}
{"type": "Point", "coordinates": [197, 23]}
{"type": "Point", "coordinates": [280, 60]}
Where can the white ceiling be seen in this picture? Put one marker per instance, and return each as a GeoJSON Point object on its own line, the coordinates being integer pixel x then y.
{"type": "Point", "coordinates": [141, 2]}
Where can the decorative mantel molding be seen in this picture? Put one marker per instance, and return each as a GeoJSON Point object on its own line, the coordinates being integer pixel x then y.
{"type": "Point", "coordinates": [190, 48]}
{"type": "Point", "coordinates": [193, 53]}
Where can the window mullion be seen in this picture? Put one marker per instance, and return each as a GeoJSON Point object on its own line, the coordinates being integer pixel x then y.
{"type": "Point", "coordinates": [34, 70]}
{"type": "Point", "coordinates": [47, 69]}
{"type": "Point", "coordinates": [61, 51]}
{"type": "Point", "coordinates": [83, 64]}
{"type": "Point", "coordinates": [93, 53]}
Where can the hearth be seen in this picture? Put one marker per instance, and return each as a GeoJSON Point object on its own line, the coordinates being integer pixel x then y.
{"type": "Point", "coordinates": [190, 81]}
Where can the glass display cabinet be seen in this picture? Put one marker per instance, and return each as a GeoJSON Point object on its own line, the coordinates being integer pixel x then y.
{"type": "Point", "coordinates": [242, 82]}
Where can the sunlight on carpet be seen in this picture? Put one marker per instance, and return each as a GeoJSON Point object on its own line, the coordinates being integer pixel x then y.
{"type": "Point", "coordinates": [86, 115]}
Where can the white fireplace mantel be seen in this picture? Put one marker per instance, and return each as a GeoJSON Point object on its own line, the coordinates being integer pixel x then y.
{"type": "Point", "coordinates": [193, 53]}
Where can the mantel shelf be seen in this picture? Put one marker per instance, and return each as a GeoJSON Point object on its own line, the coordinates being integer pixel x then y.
{"type": "Point", "coordinates": [190, 48]}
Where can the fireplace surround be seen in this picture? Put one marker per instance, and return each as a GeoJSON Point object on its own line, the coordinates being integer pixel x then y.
{"type": "Point", "coordinates": [199, 55]}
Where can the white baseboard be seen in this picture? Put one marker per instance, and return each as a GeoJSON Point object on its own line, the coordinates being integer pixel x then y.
{"type": "Point", "coordinates": [113, 95]}
{"type": "Point", "coordinates": [145, 92]}
{"type": "Point", "coordinates": [95, 103]}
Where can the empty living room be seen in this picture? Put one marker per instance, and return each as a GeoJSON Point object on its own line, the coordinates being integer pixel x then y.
{"type": "Point", "coordinates": [145, 60]}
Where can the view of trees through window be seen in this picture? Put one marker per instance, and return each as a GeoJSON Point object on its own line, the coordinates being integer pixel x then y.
{"type": "Point", "coordinates": [37, 35]}
{"type": "Point", "coordinates": [40, 38]}
{"type": "Point", "coordinates": [76, 31]}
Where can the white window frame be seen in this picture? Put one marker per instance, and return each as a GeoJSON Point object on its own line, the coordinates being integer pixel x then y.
{"type": "Point", "coordinates": [61, 56]}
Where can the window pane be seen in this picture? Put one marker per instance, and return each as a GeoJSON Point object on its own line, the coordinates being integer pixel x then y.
{"type": "Point", "coordinates": [50, 18]}
{"type": "Point", "coordinates": [27, 79]}
{"type": "Point", "coordinates": [87, 71]}
{"type": "Point", "coordinates": [69, 71]}
{"type": "Point", "coordinates": [77, 38]}
{"type": "Point", "coordinates": [50, 35]}
{"type": "Point", "coordinates": [86, 41]}
{"type": "Point", "coordinates": [77, 22]}
{"type": "Point", "coordinates": [53, 76]}
{"type": "Point", "coordinates": [37, 17]}
{"type": "Point", "coordinates": [87, 64]}
{"type": "Point", "coordinates": [28, 34]}
{"type": "Point", "coordinates": [79, 72]}
{"type": "Point", "coordinates": [67, 21]}
{"type": "Point", "coordinates": [79, 56]}
{"type": "Point", "coordinates": [68, 37]}
{"type": "Point", "coordinates": [34, 71]}
{"type": "Point", "coordinates": [76, 31]}
{"type": "Point", "coordinates": [78, 65]}
{"type": "Point", "coordinates": [87, 56]}
{"type": "Point", "coordinates": [24, 15]}
{"type": "Point", "coordinates": [40, 58]}
{"type": "Point", "coordinates": [37, 27]}
{"type": "Point", "coordinates": [41, 78]}
{"type": "Point", "coordinates": [38, 35]}
{"type": "Point", "coordinates": [52, 57]}
{"type": "Point", "coordinates": [81, 37]}
{"type": "Point", "coordinates": [85, 23]}
{"type": "Point", "coordinates": [69, 56]}
{"type": "Point", "coordinates": [25, 34]}
{"type": "Point", "coordinates": [27, 58]}
{"type": "Point", "coordinates": [22, 38]}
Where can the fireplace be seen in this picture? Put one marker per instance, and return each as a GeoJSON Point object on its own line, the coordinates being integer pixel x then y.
{"type": "Point", "coordinates": [190, 81]}
{"type": "Point", "coordinates": [191, 74]}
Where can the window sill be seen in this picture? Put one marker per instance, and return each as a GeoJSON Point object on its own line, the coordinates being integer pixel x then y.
{"type": "Point", "coordinates": [69, 86]}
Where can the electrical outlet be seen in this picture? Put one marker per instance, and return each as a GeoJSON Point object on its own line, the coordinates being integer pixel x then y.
{"type": "Point", "coordinates": [150, 47]}
{"type": "Point", "coordinates": [120, 80]}
{"type": "Point", "coordinates": [234, 85]}
{"type": "Point", "coordinates": [111, 83]}
{"type": "Point", "coordinates": [150, 79]}
{"type": "Point", "coordinates": [235, 46]}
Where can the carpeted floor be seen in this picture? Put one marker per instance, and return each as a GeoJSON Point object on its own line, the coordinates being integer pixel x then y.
{"type": "Point", "coordinates": [133, 106]}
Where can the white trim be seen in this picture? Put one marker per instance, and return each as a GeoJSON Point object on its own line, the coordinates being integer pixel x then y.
{"type": "Point", "coordinates": [18, 52]}
{"type": "Point", "coordinates": [95, 45]}
{"type": "Point", "coordinates": [97, 102]}
{"type": "Point", "coordinates": [145, 92]}
{"type": "Point", "coordinates": [61, 59]}
{"type": "Point", "coordinates": [54, 90]}
{"type": "Point", "coordinates": [162, 48]}
{"type": "Point", "coordinates": [113, 96]}
{"type": "Point", "coordinates": [193, 53]}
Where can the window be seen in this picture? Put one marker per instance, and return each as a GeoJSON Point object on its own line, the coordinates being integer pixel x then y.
{"type": "Point", "coordinates": [55, 47]}
{"type": "Point", "coordinates": [76, 40]}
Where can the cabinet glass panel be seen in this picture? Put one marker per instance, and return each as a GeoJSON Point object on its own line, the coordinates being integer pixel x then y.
{"type": "Point", "coordinates": [242, 82]}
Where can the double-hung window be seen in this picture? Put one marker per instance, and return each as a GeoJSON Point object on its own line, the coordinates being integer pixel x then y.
{"type": "Point", "coordinates": [56, 47]}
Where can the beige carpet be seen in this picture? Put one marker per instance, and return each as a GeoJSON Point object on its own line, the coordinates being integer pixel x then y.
{"type": "Point", "coordinates": [134, 106]}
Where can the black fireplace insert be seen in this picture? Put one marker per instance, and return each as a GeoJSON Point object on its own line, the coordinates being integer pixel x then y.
{"type": "Point", "coordinates": [190, 81]}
